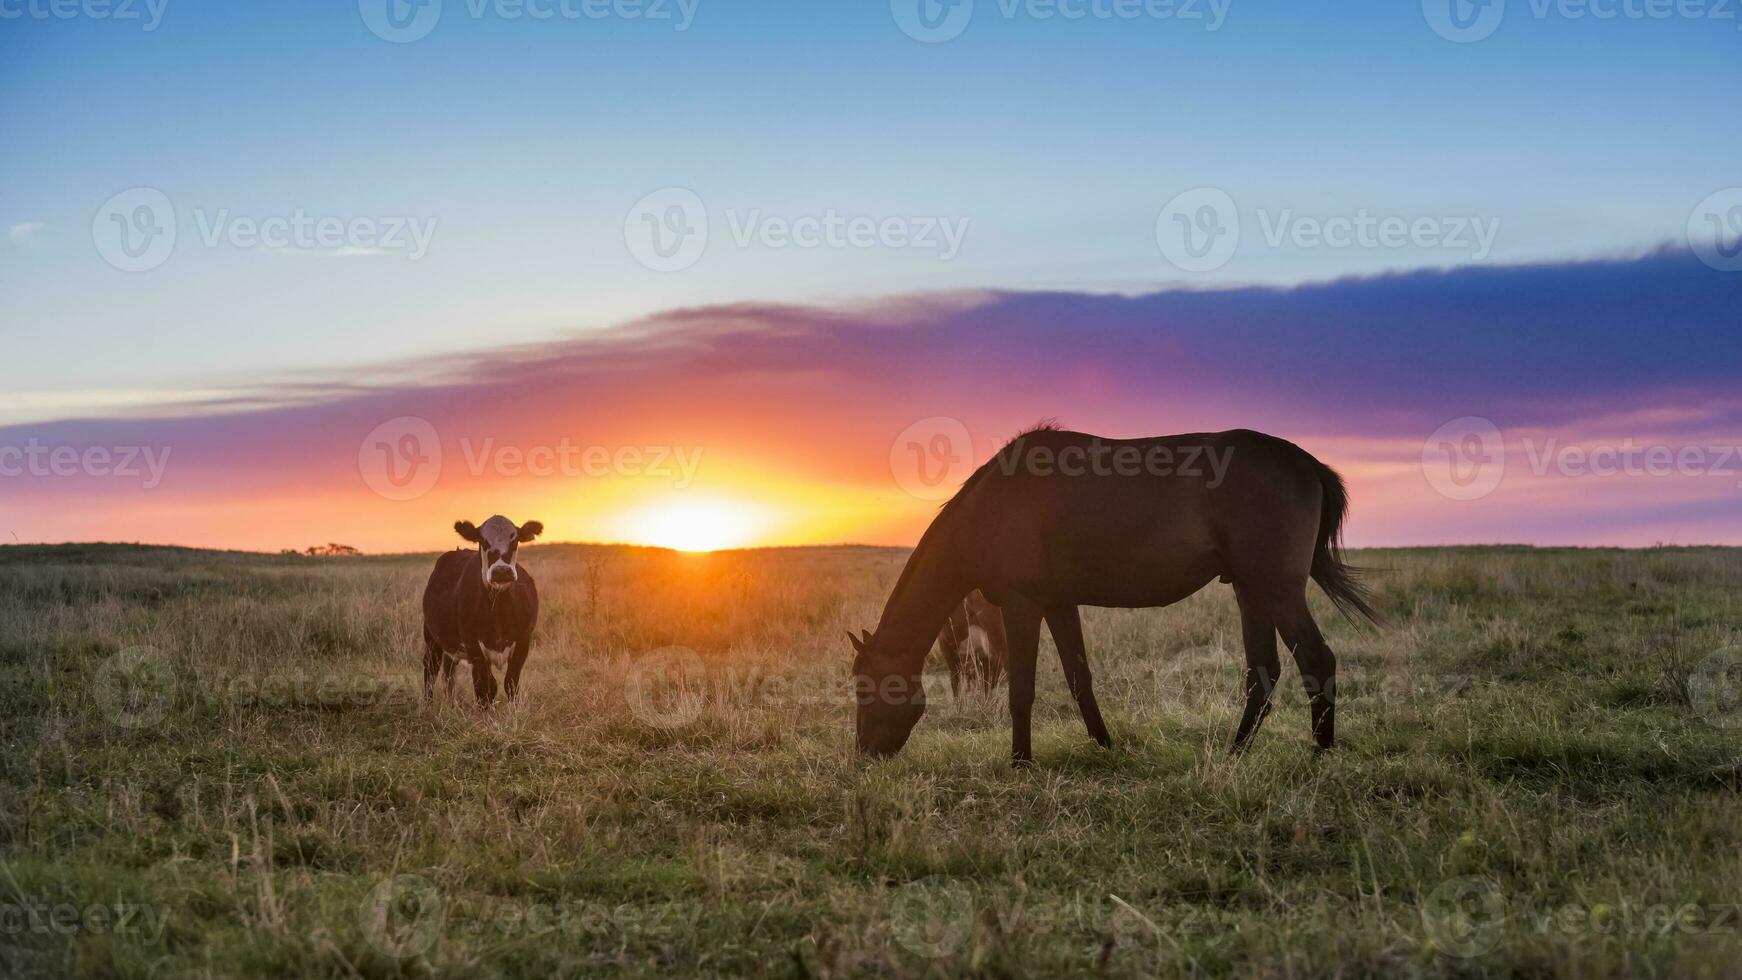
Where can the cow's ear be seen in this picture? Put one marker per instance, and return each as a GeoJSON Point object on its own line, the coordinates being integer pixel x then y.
{"type": "Point", "coordinates": [468, 530]}
{"type": "Point", "coordinates": [530, 530]}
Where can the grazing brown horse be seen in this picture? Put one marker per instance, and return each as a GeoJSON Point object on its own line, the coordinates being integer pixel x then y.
{"type": "Point", "coordinates": [1058, 520]}
{"type": "Point", "coordinates": [973, 643]}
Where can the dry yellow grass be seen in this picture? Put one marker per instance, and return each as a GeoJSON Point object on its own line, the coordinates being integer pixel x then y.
{"type": "Point", "coordinates": [1538, 776]}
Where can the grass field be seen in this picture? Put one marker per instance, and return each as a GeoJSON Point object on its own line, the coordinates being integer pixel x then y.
{"type": "Point", "coordinates": [219, 764]}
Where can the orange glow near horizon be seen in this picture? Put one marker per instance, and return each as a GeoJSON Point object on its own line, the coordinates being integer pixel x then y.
{"type": "Point", "coordinates": [699, 524]}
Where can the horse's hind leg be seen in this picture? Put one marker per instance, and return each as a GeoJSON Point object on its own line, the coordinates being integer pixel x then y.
{"type": "Point", "coordinates": [1262, 665]}
{"type": "Point", "coordinates": [1318, 666]}
{"type": "Point", "coordinates": [1067, 634]}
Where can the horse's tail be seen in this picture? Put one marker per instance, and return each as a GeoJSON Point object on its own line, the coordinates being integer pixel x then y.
{"type": "Point", "coordinates": [1341, 581]}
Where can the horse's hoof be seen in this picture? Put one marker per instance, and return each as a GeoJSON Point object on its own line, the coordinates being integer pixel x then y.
{"type": "Point", "coordinates": [1022, 763]}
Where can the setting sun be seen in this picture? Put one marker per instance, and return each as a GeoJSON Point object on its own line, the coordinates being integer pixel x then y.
{"type": "Point", "coordinates": [695, 525]}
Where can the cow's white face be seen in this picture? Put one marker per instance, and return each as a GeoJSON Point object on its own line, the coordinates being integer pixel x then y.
{"type": "Point", "coordinates": [498, 546]}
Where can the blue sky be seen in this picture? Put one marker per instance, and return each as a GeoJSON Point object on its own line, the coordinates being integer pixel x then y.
{"type": "Point", "coordinates": [522, 145]}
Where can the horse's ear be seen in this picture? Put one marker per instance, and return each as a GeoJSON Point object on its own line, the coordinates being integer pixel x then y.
{"type": "Point", "coordinates": [858, 644]}
{"type": "Point", "coordinates": [865, 637]}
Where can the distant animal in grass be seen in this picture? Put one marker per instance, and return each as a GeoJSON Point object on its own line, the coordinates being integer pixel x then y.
{"type": "Point", "coordinates": [973, 644]}
{"type": "Point", "coordinates": [481, 606]}
{"type": "Point", "coordinates": [1058, 520]}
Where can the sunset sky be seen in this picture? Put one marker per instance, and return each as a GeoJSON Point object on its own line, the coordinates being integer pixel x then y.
{"type": "Point", "coordinates": [517, 310]}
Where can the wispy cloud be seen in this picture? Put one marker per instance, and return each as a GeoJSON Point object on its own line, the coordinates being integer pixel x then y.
{"type": "Point", "coordinates": [1620, 353]}
{"type": "Point", "coordinates": [25, 232]}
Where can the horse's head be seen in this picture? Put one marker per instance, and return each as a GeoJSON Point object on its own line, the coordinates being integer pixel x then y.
{"type": "Point", "coordinates": [890, 700]}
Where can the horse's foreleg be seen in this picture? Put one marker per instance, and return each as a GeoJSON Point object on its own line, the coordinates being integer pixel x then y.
{"type": "Point", "coordinates": [1022, 625]}
{"type": "Point", "coordinates": [1067, 634]}
{"type": "Point", "coordinates": [1262, 666]}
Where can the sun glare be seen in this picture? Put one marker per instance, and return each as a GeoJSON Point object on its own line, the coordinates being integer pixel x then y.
{"type": "Point", "coordinates": [695, 525]}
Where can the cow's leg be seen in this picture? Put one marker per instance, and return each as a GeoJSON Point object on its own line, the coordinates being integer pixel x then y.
{"type": "Point", "coordinates": [483, 681]}
{"type": "Point", "coordinates": [1263, 668]}
{"type": "Point", "coordinates": [997, 650]}
{"type": "Point", "coordinates": [432, 664]}
{"type": "Point", "coordinates": [1022, 624]}
{"type": "Point", "coordinates": [446, 674]}
{"type": "Point", "coordinates": [511, 678]}
{"type": "Point", "coordinates": [952, 658]}
{"type": "Point", "coordinates": [1067, 635]}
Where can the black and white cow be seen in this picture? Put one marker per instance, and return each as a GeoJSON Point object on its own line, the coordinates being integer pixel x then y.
{"type": "Point", "coordinates": [480, 606]}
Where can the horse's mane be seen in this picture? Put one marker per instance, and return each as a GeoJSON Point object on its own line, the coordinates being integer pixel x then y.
{"type": "Point", "coordinates": [1044, 425]}
{"type": "Point", "coordinates": [974, 478]}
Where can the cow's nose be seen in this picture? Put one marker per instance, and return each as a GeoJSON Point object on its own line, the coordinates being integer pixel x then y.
{"type": "Point", "coordinates": [501, 573]}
